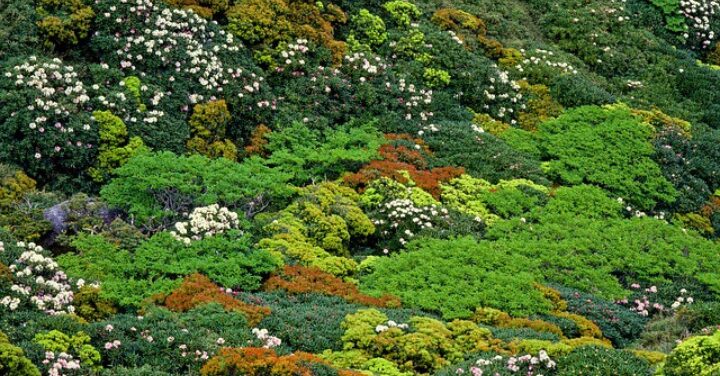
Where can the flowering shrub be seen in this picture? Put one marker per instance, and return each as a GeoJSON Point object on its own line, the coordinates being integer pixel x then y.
{"type": "Point", "coordinates": [619, 324]}
{"type": "Point", "coordinates": [64, 352]}
{"type": "Point", "coordinates": [499, 365]}
{"type": "Point", "coordinates": [45, 118]}
{"type": "Point", "coordinates": [39, 283]}
{"type": "Point", "coordinates": [301, 280]}
{"type": "Point", "coordinates": [147, 37]}
{"type": "Point", "coordinates": [267, 340]}
{"type": "Point", "coordinates": [196, 290]}
{"type": "Point", "coordinates": [204, 222]}
{"type": "Point", "coordinates": [399, 221]}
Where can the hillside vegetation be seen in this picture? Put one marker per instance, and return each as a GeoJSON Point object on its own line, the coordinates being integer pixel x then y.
{"type": "Point", "coordinates": [360, 187]}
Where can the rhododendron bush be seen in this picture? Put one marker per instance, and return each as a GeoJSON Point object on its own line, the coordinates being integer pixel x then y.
{"type": "Point", "coordinates": [375, 187]}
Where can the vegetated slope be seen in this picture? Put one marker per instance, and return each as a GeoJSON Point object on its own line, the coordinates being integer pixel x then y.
{"type": "Point", "coordinates": [295, 187]}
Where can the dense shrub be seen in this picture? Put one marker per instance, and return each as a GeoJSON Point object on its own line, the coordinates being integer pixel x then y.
{"type": "Point", "coordinates": [155, 188]}
{"type": "Point", "coordinates": [208, 129]}
{"type": "Point", "coordinates": [456, 276]}
{"type": "Point", "coordinates": [695, 356]}
{"type": "Point", "coordinates": [159, 264]}
{"type": "Point", "coordinates": [482, 155]}
{"type": "Point", "coordinates": [196, 290]}
{"type": "Point", "coordinates": [421, 345]}
{"type": "Point", "coordinates": [596, 361]}
{"type": "Point", "coordinates": [404, 158]}
{"type": "Point", "coordinates": [618, 324]}
{"type": "Point", "coordinates": [299, 280]}
{"type": "Point", "coordinates": [316, 229]}
{"type": "Point", "coordinates": [260, 361]}
{"type": "Point", "coordinates": [608, 147]}
{"type": "Point", "coordinates": [309, 155]}
{"type": "Point", "coordinates": [13, 361]}
{"type": "Point", "coordinates": [64, 23]}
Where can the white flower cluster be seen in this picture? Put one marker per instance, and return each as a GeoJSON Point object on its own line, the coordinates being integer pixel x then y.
{"type": "Point", "coordinates": [404, 217]}
{"type": "Point", "coordinates": [390, 324]}
{"type": "Point", "coordinates": [204, 222]}
{"type": "Point", "coordinates": [417, 104]}
{"type": "Point", "coordinates": [455, 37]}
{"type": "Point", "coordinates": [528, 365]}
{"type": "Point", "coordinates": [698, 15]}
{"type": "Point", "coordinates": [38, 280]}
{"type": "Point", "coordinates": [682, 299]}
{"type": "Point", "coordinates": [544, 57]}
{"type": "Point", "coordinates": [502, 95]}
{"type": "Point", "coordinates": [293, 56]}
{"type": "Point", "coordinates": [268, 340]}
{"type": "Point", "coordinates": [63, 361]}
{"type": "Point", "coordinates": [365, 65]}
{"type": "Point", "coordinates": [2, 247]}
{"type": "Point", "coordinates": [178, 40]}
{"type": "Point", "coordinates": [59, 93]}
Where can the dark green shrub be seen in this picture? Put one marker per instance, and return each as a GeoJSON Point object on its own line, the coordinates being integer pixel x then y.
{"type": "Point", "coordinates": [576, 90]}
{"type": "Point", "coordinates": [618, 324]}
{"type": "Point", "coordinates": [601, 361]}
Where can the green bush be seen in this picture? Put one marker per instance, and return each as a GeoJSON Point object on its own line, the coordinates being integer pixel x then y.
{"type": "Point", "coordinates": [13, 361]}
{"type": "Point", "coordinates": [698, 355]}
{"type": "Point", "coordinates": [156, 188]}
{"type": "Point", "coordinates": [159, 264]}
{"type": "Point", "coordinates": [402, 12]}
{"type": "Point", "coordinates": [601, 361]}
{"type": "Point", "coordinates": [64, 23]}
{"type": "Point", "coordinates": [309, 155]}
{"type": "Point", "coordinates": [609, 147]}
{"type": "Point", "coordinates": [456, 276]}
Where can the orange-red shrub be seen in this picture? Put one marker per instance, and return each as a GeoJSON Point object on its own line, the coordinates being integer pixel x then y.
{"type": "Point", "coordinates": [254, 361]}
{"type": "Point", "coordinates": [400, 161]}
{"type": "Point", "coordinates": [258, 141]}
{"type": "Point", "coordinates": [198, 289]}
{"type": "Point", "coordinates": [300, 279]}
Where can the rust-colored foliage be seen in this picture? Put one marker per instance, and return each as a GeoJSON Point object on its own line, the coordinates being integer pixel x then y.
{"type": "Point", "coordinates": [198, 289]}
{"type": "Point", "coordinates": [300, 279]}
{"type": "Point", "coordinates": [5, 273]}
{"type": "Point", "coordinates": [252, 361]}
{"type": "Point", "coordinates": [468, 25]}
{"type": "Point", "coordinates": [400, 161]}
{"type": "Point", "coordinates": [258, 141]}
